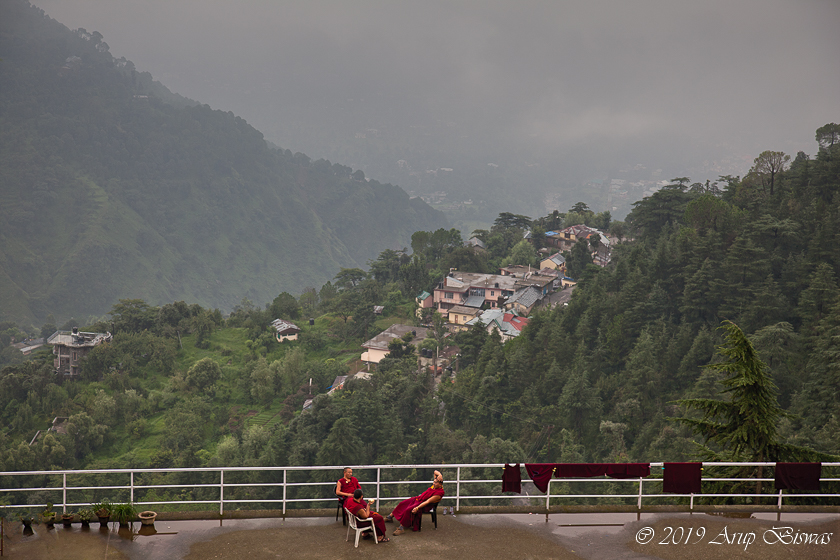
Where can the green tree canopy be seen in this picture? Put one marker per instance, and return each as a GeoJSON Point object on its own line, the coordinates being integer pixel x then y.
{"type": "Point", "coordinates": [285, 306]}
{"type": "Point", "coordinates": [745, 426]}
{"type": "Point", "coordinates": [522, 254]}
{"type": "Point", "coordinates": [204, 373]}
{"type": "Point", "coordinates": [133, 315]}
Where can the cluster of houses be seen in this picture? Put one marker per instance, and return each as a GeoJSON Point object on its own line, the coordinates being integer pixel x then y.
{"type": "Point", "coordinates": [498, 302]}
{"type": "Point", "coordinates": [565, 239]}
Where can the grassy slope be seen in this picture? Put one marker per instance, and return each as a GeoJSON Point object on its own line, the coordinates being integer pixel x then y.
{"type": "Point", "coordinates": [227, 348]}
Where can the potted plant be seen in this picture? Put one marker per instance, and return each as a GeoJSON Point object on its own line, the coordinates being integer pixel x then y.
{"type": "Point", "coordinates": [103, 511]}
{"type": "Point", "coordinates": [123, 513]}
{"type": "Point", "coordinates": [67, 518]}
{"type": "Point", "coordinates": [26, 519]}
{"type": "Point", "coordinates": [147, 517]}
{"type": "Point", "coordinates": [85, 515]}
{"type": "Point", "coordinates": [48, 516]}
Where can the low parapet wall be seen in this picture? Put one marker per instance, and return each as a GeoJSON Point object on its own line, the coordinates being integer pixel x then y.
{"type": "Point", "coordinates": [723, 510]}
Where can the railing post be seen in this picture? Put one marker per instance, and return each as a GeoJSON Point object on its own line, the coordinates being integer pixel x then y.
{"type": "Point", "coordinates": [458, 490]}
{"type": "Point", "coordinates": [284, 491]}
{"type": "Point", "coordinates": [64, 493]}
{"type": "Point", "coordinates": [691, 504]}
{"type": "Point", "coordinates": [378, 469]}
{"type": "Point", "coordinates": [779, 514]}
{"type": "Point", "coordinates": [547, 499]}
{"type": "Point", "coordinates": [131, 498]}
{"type": "Point", "coordinates": [639, 505]}
{"type": "Point", "coordinates": [221, 492]}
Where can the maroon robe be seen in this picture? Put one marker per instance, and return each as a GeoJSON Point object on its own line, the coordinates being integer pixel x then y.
{"type": "Point", "coordinates": [798, 476]}
{"type": "Point", "coordinates": [511, 478]}
{"type": "Point", "coordinates": [403, 514]}
{"type": "Point", "coordinates": [682, 478]}
{"type": "Point", "coordinates": [628, 470]}
{"type": "Point", "coordinates": [348, 487]}
{"type": "Point", "coordinates": [540, 473]}
{"type": "Point", "coordinates": [378, 521]}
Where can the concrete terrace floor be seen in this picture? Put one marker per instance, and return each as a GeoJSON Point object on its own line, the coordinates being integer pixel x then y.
{"type": "Point", "coordinates": [463, 537]}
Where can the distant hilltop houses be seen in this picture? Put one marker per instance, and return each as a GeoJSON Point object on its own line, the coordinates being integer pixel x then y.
{"type": "Point", "coordinates": [69, 347]}
{"type": "Point", "coordinates": [499, 303]}
{"type": "Point", "coordinates": [285, 330]}
{"type": "Point", "coordinates": [503, 301]}
{"type": "Point", "coordinates": [565, 239]}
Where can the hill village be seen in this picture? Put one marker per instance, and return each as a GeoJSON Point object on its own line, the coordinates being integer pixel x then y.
{"type": "Point", "coordinates": [500, 303]}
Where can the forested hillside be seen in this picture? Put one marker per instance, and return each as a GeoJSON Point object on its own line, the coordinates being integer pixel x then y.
{"type": "Point", "coordinates": [597, 380]}
{"type": "Point", "coordinates": [762, 251]}
{"type": "Point", "coordinates": [114, 187]}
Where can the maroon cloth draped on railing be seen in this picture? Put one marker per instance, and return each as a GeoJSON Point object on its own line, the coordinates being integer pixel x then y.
{"type": "Point", "coordinates": [798, 476]}
{"type": "Point", "coordinates": [682, 478]}
{"type": "Point", "coordinates": [540, 473]}
{"type": "Point", "coordinates": [580, 470]}
{"type": "Point", "coordinates": [511, 478]}
{"type": "Point", "coordinates": [614, 470]}
{"type": "Point", "coordinates": [628, 470]}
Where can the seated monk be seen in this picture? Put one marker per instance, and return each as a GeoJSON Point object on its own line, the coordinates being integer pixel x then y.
{"type": "Point", "coordinates": [409, 511]}
{"type": "Point", "coordinates": [361, 508]}
{"type": "Point", "coordinates": [346, 485]}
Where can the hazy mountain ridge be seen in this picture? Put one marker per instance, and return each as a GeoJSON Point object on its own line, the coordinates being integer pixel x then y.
{"type": "Point", "coordinates": [110, 192]}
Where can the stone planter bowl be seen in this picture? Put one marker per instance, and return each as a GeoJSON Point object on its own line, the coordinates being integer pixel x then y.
{"type": "Point", "coordinates": [147, 517]}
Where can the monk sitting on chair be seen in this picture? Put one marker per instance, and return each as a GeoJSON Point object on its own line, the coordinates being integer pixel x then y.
{"type": "Point", "coordinates": [409, 511]}
{"type": "Point", "coordinates": [346, 485]}
{"type": "Point", "coordinates": [361, 509]}
{"type": "Point", "coordinates": [344, 488]}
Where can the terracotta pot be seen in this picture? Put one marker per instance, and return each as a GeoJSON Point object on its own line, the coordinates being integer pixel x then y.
{"type": "Point", "coordinates": [147, 517]}
{"type": "Point", "coordinates": [147, 530]}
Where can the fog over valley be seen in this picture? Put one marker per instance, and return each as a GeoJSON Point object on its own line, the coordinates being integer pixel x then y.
{"type": "Point", "coordinates": [525, 106]}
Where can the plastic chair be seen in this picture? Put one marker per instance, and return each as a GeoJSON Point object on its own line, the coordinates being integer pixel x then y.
{"type": "Point", "coordinates": [342, 510]}
{"type": "Point", "coordinates": [354, 524]}
{"type": "Point", "coordinates": [430, 509]}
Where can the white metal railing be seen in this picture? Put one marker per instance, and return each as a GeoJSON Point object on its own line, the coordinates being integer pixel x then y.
{"type": "Point", "coordinates": [378, 483]}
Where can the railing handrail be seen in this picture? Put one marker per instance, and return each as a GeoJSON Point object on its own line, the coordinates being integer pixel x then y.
{"type": "Point", "coordinates": [360, 467]}
{"type": "Point", "coordinates": [378, 483]}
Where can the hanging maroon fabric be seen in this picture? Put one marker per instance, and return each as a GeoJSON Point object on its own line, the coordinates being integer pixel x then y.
{"type": "Point", "coordinates": [798, 476]}
{"type": "Point", "coordinates": [511, 478]}
{"type": "Point", "coordinates": [628, 470]}
{"type": "Point", "coordinates": [540, 473]}
{"type": "Point", "coordinates": [682, 478]}
{"type": "Point", "coordinates": [580, 470]}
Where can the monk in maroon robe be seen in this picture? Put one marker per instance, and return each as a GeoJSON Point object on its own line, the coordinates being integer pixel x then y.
{"type": "Point", "coordinates": [358, 506]}
{"type": "Point", "coordinates": [346, 485]}
{"type": "Point", "coordinates": [409, 511]}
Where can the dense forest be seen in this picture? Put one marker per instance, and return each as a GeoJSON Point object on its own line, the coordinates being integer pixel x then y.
{"type": "Point", "coordinates": [114, 187]}
{"type": "Point", "coordinates": [138, 197]}
{"type": "Point", "coordinates": [602, 379]}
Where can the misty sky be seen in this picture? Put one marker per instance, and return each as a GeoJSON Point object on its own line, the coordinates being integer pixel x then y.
{"type": "Point", "coordinates": [746, 75]}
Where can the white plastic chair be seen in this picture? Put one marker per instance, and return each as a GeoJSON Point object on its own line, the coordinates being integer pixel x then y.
{"type": "Point", "coordinates": [354, 524]}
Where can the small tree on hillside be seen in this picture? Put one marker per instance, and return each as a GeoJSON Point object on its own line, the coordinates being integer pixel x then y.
{"type": "Point", "coordinates": [744, 427]}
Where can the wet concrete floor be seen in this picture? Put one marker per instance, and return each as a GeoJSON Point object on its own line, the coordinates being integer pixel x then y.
{"type": "Point", "coordinates": [462, 537]}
